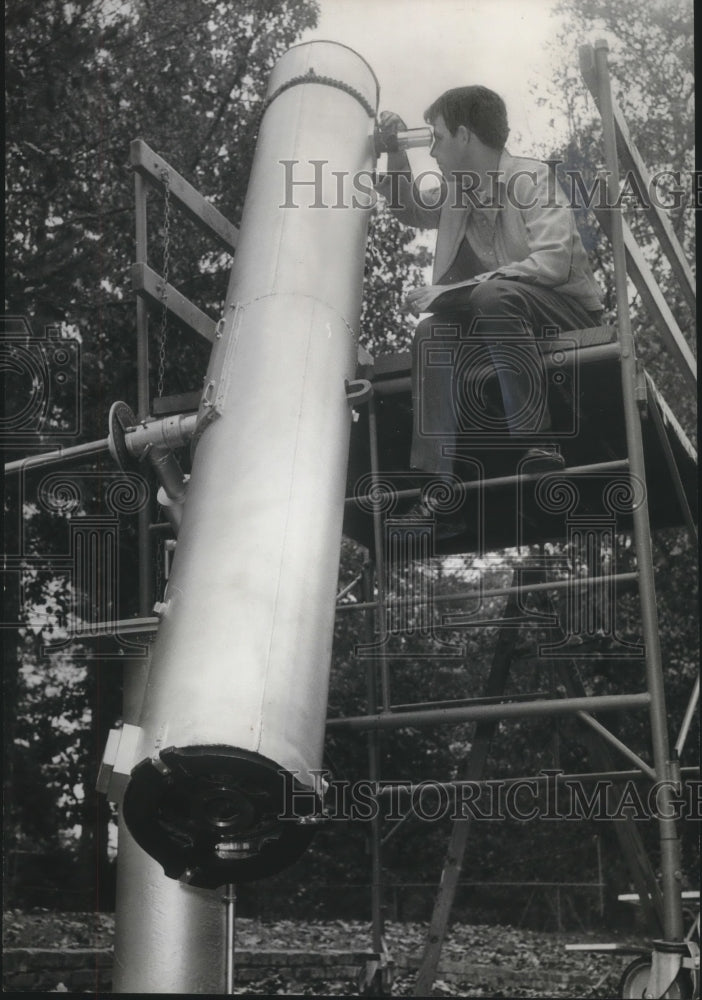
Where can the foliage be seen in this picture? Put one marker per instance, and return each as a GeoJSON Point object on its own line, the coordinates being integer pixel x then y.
{"type": "Point", "coordinates": [393, 266]}
{"type": "Point", "coordinates": [652, 73]}
{"type": "Point", "coordinates": [82, 81]}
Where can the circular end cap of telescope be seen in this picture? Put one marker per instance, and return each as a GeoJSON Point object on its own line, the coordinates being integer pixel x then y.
{"type": "Point", "coordinates": [211, 815]}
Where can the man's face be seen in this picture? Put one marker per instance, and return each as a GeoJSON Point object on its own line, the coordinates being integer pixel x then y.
{"type": "Point", "coordinates": [451, 152]}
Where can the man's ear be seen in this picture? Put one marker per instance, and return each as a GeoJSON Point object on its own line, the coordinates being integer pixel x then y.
{"type": "Point", "coordinates": [463, 133]}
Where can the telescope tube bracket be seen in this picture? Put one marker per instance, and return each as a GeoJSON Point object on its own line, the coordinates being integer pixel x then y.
{"type": "Point", "coordinates": [118, 760]}
{"type": "Point", "coordinates": [131, 441]}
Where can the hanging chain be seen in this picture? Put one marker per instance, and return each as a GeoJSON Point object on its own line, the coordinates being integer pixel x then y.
{"type": "Point", "coordinates": [158, 575]}
{"type": "Point", "coordinates": [164, 285]}
{"type": "Point", "coordinates": [312, 77]}
{"type": "Point", "coordinates": [162, 344]}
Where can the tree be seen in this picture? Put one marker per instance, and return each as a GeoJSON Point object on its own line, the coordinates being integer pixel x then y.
{"type": "Point", "coordinates": [393, 266]}
{"type": "Point", "coordinates": [652, 72]}
{"type": "Point", "coordinates": [651, 67]}
{"type": "Point", "coordinates": [83, 80]}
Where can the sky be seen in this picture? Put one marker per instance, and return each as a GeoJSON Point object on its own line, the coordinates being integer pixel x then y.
{"type": "Point", "coordinates": [420, 48]}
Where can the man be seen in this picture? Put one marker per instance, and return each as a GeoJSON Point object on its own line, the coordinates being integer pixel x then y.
{"type": "Point", "coordinates": [509, 264]}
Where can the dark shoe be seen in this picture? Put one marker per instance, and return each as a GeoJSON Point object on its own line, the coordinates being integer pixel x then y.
{"type": "Point", "coordinates": [545, 458]}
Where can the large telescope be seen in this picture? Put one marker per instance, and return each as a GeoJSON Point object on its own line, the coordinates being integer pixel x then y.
{"type": "Point", "coordinates": [234, 703]}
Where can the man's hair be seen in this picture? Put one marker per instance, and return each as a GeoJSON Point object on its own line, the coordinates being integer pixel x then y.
{"type": "Point", "coordinates": [479, 109]}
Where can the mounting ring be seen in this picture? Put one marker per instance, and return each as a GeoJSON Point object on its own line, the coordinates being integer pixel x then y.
{"type": "Point", "coordinates": [121, 418]}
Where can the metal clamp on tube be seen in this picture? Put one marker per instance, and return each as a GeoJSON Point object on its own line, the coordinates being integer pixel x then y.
{"type": "Point", "coordinates": [129, 437]}
{"type": "Point", "coordinates": [129, 442]}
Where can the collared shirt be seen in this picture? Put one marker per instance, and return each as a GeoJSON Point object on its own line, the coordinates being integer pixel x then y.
{"type": "Point", "coordinates": [466, 264]}
{"type": "Point", "coordinates": [523, 229]}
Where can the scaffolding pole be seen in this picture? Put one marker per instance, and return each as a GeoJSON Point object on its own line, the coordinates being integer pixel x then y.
{"type": "Point", "coordinates": [670, 846]}
{"type": "Point", "coordinates": [377, 916]}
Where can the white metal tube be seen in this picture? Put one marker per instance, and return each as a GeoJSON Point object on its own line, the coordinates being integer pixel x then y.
{"type": "Point", "coordinates": [169, 937]}
{"type": "Point", "coordinates": [237, 688]}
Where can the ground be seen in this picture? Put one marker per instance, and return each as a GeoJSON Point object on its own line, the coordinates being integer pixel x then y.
{"type": "Point", "coordinates": [505, 947]}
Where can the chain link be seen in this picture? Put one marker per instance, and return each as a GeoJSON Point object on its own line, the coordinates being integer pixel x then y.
{"type": "Point", "coordinates": [158, 581]}
{"type": "Point", "coordinates": [312, 77]}
{"type": "Point", "coordinates": [162, 344]}
{"type": "Point", "coordinates": [162, 337]}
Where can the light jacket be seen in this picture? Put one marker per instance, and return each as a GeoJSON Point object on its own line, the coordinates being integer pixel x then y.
{"type": "Point", "coordinates": [527, 231]}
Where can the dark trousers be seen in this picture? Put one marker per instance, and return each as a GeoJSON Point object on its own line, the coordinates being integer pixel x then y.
{"type": "Point", "coordinates": [477, 373]}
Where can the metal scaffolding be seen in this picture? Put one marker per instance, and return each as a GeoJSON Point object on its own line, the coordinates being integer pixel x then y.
{"type": "Point", "coordinates": [662, 446]}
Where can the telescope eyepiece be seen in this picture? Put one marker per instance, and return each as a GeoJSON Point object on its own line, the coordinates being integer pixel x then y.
{"type": "Point", "coordinates": [395, 142]}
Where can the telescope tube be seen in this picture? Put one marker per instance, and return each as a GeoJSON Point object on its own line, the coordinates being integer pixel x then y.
{"type": "Point", "coordinates": [235, 703]}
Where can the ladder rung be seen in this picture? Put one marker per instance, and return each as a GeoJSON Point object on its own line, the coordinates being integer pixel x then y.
{"type": "Point", "coordinates": [202, 212]}
{"type": "Point", "coordinates": [148, 284]}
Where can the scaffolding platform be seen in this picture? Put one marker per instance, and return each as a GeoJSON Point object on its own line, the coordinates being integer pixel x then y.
{"type": "Point", "coordinates": [585, 399]}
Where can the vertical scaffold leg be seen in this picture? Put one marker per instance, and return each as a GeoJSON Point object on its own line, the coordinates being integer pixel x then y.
{"type": "Point", "coordinates": [670, 858]}
{"type": "Point", "coordinates": [229, 900]}
{"type": "Point", "coordinates": [376, 670]}
{"type": "Point", "coordinates": [375, 986]}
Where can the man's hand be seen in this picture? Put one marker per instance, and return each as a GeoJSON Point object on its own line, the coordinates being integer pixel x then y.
{"type": "Point", "coordinates": [390, 123]}
{"type": "Point", "coordinates": [420, 299]}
